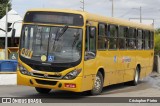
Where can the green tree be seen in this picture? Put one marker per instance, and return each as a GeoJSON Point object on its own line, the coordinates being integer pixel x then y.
{"type": "Point", "coordinates": [3, 4]}
{"type": "Point", "coordinates": [157, 31]}
{"type": "Point", "coordinates": [157, 41]}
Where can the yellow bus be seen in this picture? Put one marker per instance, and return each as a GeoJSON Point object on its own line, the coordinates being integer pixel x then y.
{"type": "Point", "coordinates": [79, 51]}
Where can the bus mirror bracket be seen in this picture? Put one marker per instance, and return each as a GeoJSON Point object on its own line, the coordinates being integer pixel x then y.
{"type": "Point", "coordinates": [13, 33]}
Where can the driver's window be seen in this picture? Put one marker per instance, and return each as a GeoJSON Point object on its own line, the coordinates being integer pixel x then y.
{"type": "Point", "coordinates": [91, 39]}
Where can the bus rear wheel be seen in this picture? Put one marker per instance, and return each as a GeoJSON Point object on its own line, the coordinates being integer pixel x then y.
{"type": "Point", "coordinates": [42, 90]}
{"type": "Point", "coordinates": [98, 84]}
{"type": "Point", "coordinates": [136, 77]}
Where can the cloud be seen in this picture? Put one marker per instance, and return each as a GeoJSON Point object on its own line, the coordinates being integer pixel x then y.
{"type": "Point", "coordinates": [122, 8]}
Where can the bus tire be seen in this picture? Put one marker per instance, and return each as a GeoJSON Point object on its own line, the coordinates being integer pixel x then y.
{"type": "Point", "coordinates": [136, 77]}
{"type": "Point", "coordinates": [98, 84]}
{"type": "Point", "coordinates": [42, 90]}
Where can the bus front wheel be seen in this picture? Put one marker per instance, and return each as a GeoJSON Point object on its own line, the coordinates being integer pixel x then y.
{"type": "Point", "coordinates": [42, 90]}
{"type": "Point", "coordinates": [98, 84]}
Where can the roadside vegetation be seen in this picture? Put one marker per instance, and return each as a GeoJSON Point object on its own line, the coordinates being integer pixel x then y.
{"type": "Point", "coordinates": [3, 4]}
{"type": "Point", "coordinates": [157, 41]}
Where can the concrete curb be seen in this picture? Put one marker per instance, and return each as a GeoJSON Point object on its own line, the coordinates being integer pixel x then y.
{"type": "Point", "coordinates": [8, 79]}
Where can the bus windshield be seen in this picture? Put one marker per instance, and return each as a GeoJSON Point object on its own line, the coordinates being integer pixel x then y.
{"type": "Point", "coordinates": [56, 44]}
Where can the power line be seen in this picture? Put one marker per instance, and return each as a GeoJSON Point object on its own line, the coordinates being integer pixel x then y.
{"type": "Point", "coordinates": [126, 13]}
{"type": "Point", "coordinates": [93, 3]}
{"type": "Point", "coordinates": [140, 13]}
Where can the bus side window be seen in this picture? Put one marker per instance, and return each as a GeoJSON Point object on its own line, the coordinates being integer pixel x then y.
{"type": "Point", "coordinates": [139, 40]}
{"type": "Point", "coordinates": [102, 38]}
{"type": "Point", "coordinates": [91, 39]}
{"type": "Point", "coordinates": [143, 39]}
{"type": "Point", "coordinates": [112, 37]}
{"type": "Point", "coordinates": [131, 39]}
{"type": "Point", "coordinates": [151, 40]}
{"type": "Point", "coordinates": [123, 32]}
{"type": "Point", "coordinates": [146, 40]}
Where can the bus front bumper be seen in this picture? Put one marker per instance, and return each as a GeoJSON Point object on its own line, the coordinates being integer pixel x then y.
{"type": "Point", "coordinates": [68, 85]}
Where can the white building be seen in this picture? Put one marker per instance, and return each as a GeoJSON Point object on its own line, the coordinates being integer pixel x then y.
{"type": "Point", "coordinates": [16, 20]}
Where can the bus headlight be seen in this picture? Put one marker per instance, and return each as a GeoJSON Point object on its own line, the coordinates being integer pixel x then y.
{"type": "Point", "coordinates": [73, 74]}
{"type": "Point", "coordinates": [23, 70]}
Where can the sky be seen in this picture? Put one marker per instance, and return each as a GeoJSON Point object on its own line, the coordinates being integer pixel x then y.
{"type": "Point", "coordinates": [126, 9]}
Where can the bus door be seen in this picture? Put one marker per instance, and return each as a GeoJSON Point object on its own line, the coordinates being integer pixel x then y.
{"type": "Point", "coordinates": [90, 55]}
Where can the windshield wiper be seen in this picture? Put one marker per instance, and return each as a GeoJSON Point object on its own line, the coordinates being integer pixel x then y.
{"type": "Point", "coordinates": [76, 38]}
{"type": "Point", "coordinates": [59, 34]}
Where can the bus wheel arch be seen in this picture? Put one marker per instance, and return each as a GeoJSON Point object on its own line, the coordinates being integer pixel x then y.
{"type": "Point", "coordinates": [101, 70]}
{"type": "Point", "coordinates": [139, 67]}
{"type": "Point", "coordinates": [136, 75]}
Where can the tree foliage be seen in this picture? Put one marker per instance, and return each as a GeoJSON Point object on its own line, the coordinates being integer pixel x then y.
{"type": "Point", "coordinates": [3, 4]}
{"type": "Point", "coordinates": [157, 31]}
{"type": "Point", "coordinates": [157, 41]}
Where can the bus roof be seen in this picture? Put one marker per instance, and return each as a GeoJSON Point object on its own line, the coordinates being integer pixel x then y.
{"type": "Point", "coordinates": [99, 18]}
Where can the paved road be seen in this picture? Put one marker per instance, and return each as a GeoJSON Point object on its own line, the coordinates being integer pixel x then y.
{"type": "Point", "coordinates": [148, 87]}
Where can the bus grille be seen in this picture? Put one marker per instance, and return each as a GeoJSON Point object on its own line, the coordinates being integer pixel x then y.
{"type": "Point", "coordinates": [44, 82]}
{"type": "Point", "coordinates": [40, 75]}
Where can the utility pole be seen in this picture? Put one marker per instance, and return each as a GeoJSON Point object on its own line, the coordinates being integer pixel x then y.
{"type": "Point", "coordinates": [153, 22]}
{"type": "Point", "coordinates": [6, 39]}
{"type": "Point", "coordinates": [112, 7]}
{"type": "Point", "coordinates": [140, 14]}
{"type": "Point", "coordinates": [82, 5]}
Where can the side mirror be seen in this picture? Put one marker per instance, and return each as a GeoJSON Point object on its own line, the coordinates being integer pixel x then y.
{"type": "Point", "coordinates": [92, 32]}
{"type": "Point", "coordinates": [13, 33]}
{"type": "Point", "coordinates": [89, 55]}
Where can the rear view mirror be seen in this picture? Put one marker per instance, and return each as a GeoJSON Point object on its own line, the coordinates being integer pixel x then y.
{"type": "Point", "coordinates": [92, 32]}
{"type": "Point", "coordinates": [89, 55]}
